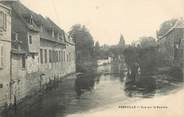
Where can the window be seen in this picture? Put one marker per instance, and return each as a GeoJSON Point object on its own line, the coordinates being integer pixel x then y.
{"type": "Point", "coordinates": [50, 56]}
{"type": "Point", "coordinates": [14, 36]}
{"type": "Point", "coordinates": [1, 56]}
{"type": "Point", "coordinates": [53, 33]}
{"type": "Point", "coordinates": [3, 20]}
{"type": "Point", "coordinates": [53, 56]}
{"type": "Point", "coordinates": [30, 39]}
{"type": "Point", "coordinates": [41, 56]}
{"type": "Point", "coordinates": [45, 56]}
{"type": "Point", "coordinates": [57, 56]}
{"type": "Point", "coordinates": [31, 20]}
{"type": "Point", "coordinates": [1, 85]}
{"type": "Point", "coordinates": [33, 56]}
{"type": "Point", "coordinates": [57, 35]}
{"type": "Point", "coordinates": [15, 40]}
{"type": "Point", "coordinates": [23, 61]}
{"type": "Point", "coordinates": [64, 57]}
{"type": "Point", "coordinates": [41, 28]}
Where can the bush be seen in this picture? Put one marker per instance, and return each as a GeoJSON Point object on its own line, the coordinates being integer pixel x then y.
{"type": "Point", "coordinates": [149, 59]}
{"type": "Point", "coordinates": [175, 73]}
{"type": "Point", "coordinates": [148, 83]}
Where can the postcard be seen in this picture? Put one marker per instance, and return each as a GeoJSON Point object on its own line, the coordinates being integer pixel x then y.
{"type": "Point", "coordinates": [91, 58]}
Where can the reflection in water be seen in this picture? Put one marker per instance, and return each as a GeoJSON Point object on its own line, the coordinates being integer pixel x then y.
{"type": "Point", "coordinates": [144, 87]}
{"type": "Point", "coordinates": [84, 82]}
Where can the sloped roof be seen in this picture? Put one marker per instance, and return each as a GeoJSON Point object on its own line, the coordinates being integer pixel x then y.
{"type": "Point", "coordinates": [22, 13]}
{"type": "Point", "coordinates": [178, 24]}
{"type": "Point", "coordinates": [56, 27]}
{"type": "Point", "coordinates": [67, 38]}
{"type": "Point", "coordinates": [1, 5]}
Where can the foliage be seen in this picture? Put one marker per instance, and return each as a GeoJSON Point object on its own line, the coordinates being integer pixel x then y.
{"type": "Point", "coordinates": [148, 58]}
{"type": "Point", "coordinates": [83, 39]}
{"type": "Point", "coordinates": [131, 55]}
{"type": "Point", "coordinates": [97, 49]}
{"type": "Point", "coordinates": [175, 73]}
{"type": "Point", "coordinates": [146, 42]}
{"type": "Point", "coordinates": [84, 46]}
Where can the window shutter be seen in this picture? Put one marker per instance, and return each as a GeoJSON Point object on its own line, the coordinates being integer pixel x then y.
{"type": "Point", "coordinates": [41, 56]}
{"type": "Point", "coordinates": [4, 21]}
{"type": "Point", "coordinates": [1, 19]}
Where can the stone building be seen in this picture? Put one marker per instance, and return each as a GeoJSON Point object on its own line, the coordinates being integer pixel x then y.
{"type": "Point", "coordinates": [41, 52]}
{"type": "Point", "coordinates": [121, 43]}
{"type": "Point", "coordinates": [171, 43]}
{"type": "Point", "coordinates": [25, 52]}
{"type": "Point", "coordinates": [70, 55]}
{"type": "Point", "coordinates": [56, 51]}
{"type": "Point", "coordinates": [5, 48]}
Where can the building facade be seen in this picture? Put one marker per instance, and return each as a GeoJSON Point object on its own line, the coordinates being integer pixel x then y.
{"type": "Point", "coordinates": [52, 50]}
{"type": "Point", "coordinates": [5, 48]}
{"type": "Point", "coordinates": [41, 52]}
{"type": "Point", "coordinates": [171, 44]}
{"type": "Point", "coordinates": [24, 52]}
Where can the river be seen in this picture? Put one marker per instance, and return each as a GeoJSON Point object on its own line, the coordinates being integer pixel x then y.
{"type": "Point", "coordinates": [97, 92]}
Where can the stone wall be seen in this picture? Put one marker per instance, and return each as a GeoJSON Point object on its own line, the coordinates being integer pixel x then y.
{"type": "Point", "coordinates": [25, 79]}
{"type": "Point", "coordinates": [5, 46]}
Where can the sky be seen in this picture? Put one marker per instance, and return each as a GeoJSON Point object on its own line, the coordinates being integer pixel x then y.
{"type": "Point", "coordinates": [107, 19]}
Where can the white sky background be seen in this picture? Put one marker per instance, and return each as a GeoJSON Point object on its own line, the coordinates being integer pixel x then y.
{"type": "Point", "coordinates": [107, 19]}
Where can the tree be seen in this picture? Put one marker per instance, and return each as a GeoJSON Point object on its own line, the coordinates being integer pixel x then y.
{"type": "Point", "coordinates": [84, 45]}
{"type": "Point", "coordinates": [146, 42]}
{"type": "Point", "coordinates": [118, 49]}
{"type": "Point", "coordinates": [97, 49]}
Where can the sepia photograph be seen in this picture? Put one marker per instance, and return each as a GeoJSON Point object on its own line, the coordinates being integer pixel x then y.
{"type": "Point", "coordinates": [91, 58]}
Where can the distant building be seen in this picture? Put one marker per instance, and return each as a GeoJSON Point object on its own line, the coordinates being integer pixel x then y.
{"type": "Point", "coordinates": [171, 43]}
{"type": "Point", "coordinates": [104, 61]}
{"type": "Point", "coordinates": [5, 48]}
{"type": "Point", "coordinates": [121, 43]}
{"type": "Point", "coordinates": [41, 52]}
